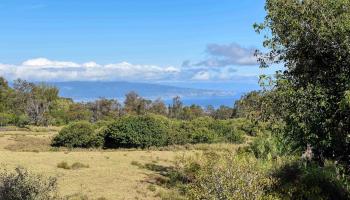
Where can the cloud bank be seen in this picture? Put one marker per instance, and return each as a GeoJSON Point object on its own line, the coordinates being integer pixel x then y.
{"type": "Point", "coordinates": [43, 69]}
{"type": "Point", "coordinates": [222, 63]}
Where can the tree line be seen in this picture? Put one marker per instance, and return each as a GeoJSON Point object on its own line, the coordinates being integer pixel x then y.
{"type": "Point", "coordinates": [26, 103]}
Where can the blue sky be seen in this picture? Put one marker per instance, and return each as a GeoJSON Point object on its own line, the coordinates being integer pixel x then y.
{"type": "Point", "coordinates": [153, 41]}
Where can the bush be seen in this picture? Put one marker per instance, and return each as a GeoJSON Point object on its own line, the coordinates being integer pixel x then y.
{"type": "Point", "coordinates": [299, 180]}
{"type": "Point", "coordinates": [197, 133]}
{"type": "Point", "coordinates": [77, 134]}
{"type": "Point", "coordinates": [22, 185]}
{"type": "Point", "coordinates": [21, 121]}
{"type": "Point", "coordinates": [177, 135]}
{"type": "Point", "coordinates": [78, 165]}
{"type": "Point", "coordinates": [137, 132]}
{"type": "Point", "coordinates": [209, 130]}
{"type": "Point", "coordinates": [5, 119]}
{"type": "Point", "coordinates": [228, 131]}
{"type": "Point", "coordinates": [215, 176]}
{"type": "Point", "coordinates": [63, 165]}
{"type": "Point", "coordinates": [266, 146]}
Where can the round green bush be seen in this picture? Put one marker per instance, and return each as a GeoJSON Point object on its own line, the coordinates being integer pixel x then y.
{"type": "Point", "coordinates": [198, 131]}
{"type": "Point", "coordinates": [137, 132]}
{"type": "Point", "coordinates": [77, 134]}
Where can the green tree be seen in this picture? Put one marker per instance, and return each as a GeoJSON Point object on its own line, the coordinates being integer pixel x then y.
{"type": "Point", "coordinates": [311, 38]}
{"type": "Point", "coordinates": [35, 100]}
{"type": "Point", "coordinates": [4, 94]}
{"type": "Point", "coordinates": [249, 106]}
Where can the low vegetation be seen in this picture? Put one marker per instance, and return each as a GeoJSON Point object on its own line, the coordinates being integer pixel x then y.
{"type": "Point", "coordinates": [23, 185]}
{"type": "Point", "coordinates": [74, 166]}
{"type": "Point", "coordinates": [145, 131]}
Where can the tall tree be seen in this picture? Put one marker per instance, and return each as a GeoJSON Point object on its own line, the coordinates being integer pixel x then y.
{"type": "Point", "coordinates": [4, 95]}
{"type": "Point", "coordinates": [175, 110]}
{"type": "Point", "coordinates": [37, 100]}
{"type": "Point", "coordinates": [311, 38]}
{"type": "Point", "coordinates": [103, 109]}
{"type": "Point", "coordinates": [158, 107]}
{"type": "Point", "coordinates": [134, 104]}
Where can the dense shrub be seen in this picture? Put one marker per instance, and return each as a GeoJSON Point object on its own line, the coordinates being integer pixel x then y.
{"type": "Point", "coordinates": [137, 132]}
{"type": "Point", "coordinates": [77, 134]}
{"type": "Point", "coordinates": [5, 119]}
{"type": "Point", "coordinates": [228, 130]}
{"type": "Point", "coordinates": [266, 146]}
{"type": "Point", "coordinates": [152, 130]}
{"type": "Point", "coordinates": [299, 180]}
{"type": "Point", "coordinates": [206, 130]}
{"type": "Point", "coordinates": [21, 121]}
{"type": "Point", "coordinates": [209, 130]}
{"type": "Point", "coordinates": [22, 185]}
{"type": "Point", "coordinates": [197, 131]}
{"type": "Point", "coordinates": [177, 134]}
{"type": "Point", "coordinates": [215, 176]}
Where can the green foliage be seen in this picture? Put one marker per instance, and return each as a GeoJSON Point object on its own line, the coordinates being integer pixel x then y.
{"type": "Point", "coordinates": [137, 132]}
{"type": "Point", "coordinates": [213, 175]}
{"type": "Point", "coordinates": [266, 146]}
{"type": "Point", "coordinates": [22, 185]}
{"type": "Point", "coordinates": [205, 130]}
{"type": "Point", "coordinates": [311, 38]}
{"type": "Point", "coordinates": [21, 120]}
{"type": "Point", "coordinates": [216, 176]}
{"type": "Point", "coordinates": [5, 119]}
{"type": "Point", "coordinates": [249, 106]}
{"type": "Point", "coordinates": [298, 180]}
{"type": "Point", "coordinates": [151, 130]}
{"type": "Point", "coordinates": [198, 130]}
{"type": "Point", "coordinates": [77, 134]}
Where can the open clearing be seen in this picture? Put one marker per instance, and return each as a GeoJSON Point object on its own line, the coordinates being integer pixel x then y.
{"type": "Point", "coordinates": [110, 174]}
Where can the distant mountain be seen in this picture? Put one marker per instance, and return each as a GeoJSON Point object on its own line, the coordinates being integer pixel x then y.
{"type": "Point", "coordinates": [85, 91]}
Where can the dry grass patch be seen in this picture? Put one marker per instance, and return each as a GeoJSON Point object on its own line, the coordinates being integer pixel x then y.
{"type": "Point", "coordinates": [112, 178]}
{"type": "Point", "coordinates": [29, 143]}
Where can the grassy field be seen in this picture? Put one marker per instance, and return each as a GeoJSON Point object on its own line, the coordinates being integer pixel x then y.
{"type": "Point", "coordinates": [109, 174]}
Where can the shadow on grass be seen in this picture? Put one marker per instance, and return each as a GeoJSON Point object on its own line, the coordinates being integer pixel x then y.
{"type": "Point", "coordinates": [297, 180]}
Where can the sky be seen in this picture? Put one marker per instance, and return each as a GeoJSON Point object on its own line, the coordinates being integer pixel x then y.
{"type": "Point", "coordinates": [176, 42]}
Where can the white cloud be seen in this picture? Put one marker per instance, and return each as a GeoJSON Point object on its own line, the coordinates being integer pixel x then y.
{"type": "Point", "coordinates": [43, 69]}
{"type": "Point", "coordinates": [44, 62]}
{"type": "Point", "coordinates": [91, 64]}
